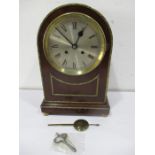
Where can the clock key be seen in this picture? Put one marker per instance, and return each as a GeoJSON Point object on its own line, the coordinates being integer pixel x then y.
{"type": "Point", "coordinates": [62, 138]}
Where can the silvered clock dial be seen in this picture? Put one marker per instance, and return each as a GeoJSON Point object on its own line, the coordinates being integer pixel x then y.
{"type": "Point", "coordinates": [74, 43]}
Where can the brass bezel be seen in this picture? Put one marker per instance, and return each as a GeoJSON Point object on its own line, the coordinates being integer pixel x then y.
{"type": "Point", "coordinates": [98, 30]}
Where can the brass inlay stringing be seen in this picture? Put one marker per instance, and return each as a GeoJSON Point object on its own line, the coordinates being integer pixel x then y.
{"type": "Point", "coordinates": [82, 83]}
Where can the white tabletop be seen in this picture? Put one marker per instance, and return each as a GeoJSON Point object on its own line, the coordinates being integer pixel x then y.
{"type": "Point", "coordinates": [115, 136]}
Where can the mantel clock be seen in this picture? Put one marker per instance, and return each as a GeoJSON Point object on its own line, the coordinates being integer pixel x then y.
{"type": "Point", "coordinates": [75, 45]}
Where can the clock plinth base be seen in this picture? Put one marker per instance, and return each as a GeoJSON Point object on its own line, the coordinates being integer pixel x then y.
{"type": "Point", "coordinates": [53, 108]}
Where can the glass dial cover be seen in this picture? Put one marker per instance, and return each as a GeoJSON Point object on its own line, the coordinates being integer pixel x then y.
{"type": "Point", "coordinates": [74, 44]}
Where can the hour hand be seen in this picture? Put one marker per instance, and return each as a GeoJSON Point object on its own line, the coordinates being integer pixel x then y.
{"type": "Point", "coordinates": [64, 36]}
{"type": "Point", "coordinates": [80, 34]}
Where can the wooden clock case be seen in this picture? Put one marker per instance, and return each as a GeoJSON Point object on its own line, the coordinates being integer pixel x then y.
{"type": "Point", "coordinates": [75, 95]}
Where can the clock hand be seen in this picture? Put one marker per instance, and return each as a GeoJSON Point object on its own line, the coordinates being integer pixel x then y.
{"type": "Point", "coordinates": [80, 34]}
{"type": "Point", "coordinates": [64, 36]}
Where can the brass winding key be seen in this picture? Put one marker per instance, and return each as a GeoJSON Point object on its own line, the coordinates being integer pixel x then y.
{"type": "Point", "coordinates": [62, 138]}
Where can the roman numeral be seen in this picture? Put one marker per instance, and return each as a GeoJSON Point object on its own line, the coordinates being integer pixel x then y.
{"type": "Point", "coordinates": [74, 25]}
{"type": "Point", "coordinates": [54, 46]}
{"type": "Point", "coordinates": [58, 55]}
{"type": "Point", "coordinates": [92, 36]}
{"type": "Point", "coordinates": [90, 56]}
{"type": "Point", "coordinates": [94, 46]}
{"type": "Point", "coordinates": [74, 65]}
{"type": "Point", "coordinates": [64, 62]}
{"type": "Point", "coordinates": [63, 27]}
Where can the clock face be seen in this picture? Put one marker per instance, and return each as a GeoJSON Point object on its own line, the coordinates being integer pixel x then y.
{"type": "Point", "coordinates": [74, 44]}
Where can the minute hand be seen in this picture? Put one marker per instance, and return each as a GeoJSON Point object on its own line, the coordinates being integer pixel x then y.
{"type": "Point", "coordinates": [64, 36]}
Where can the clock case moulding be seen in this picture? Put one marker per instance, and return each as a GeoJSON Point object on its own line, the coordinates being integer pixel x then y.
{"type": "Point", "coordinates": [75, 95]}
